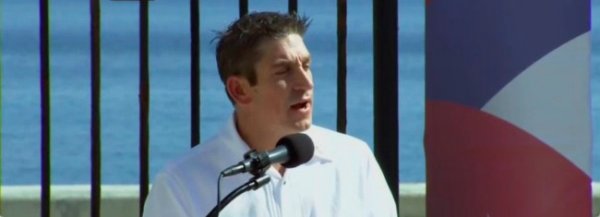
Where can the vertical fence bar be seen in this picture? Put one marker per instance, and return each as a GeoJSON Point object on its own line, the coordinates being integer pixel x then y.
{"type": "Point", "coordinates": [385, 58]}
{"type": "Point", "coordinates": [292, 6]}
{"type": "Point", "coordinates": [243, 7]}
{"type": "Point", "coordinates": [0, 113]}
{"type": "Point", "coordinates": [144, 104]}
{"type": "Point", "coordinates": [195, 70]}
{"type": "Point", "coordinates": [341, 62]}
{"type": "Point", "coordinates": [95, 122]}
{"type": "Point", "coordinates": [0, 131]}
{"type": "Point", "coordinates": [45, 104]}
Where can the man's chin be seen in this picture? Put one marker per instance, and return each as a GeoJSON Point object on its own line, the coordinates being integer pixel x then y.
{"type": "Point", "coordinates": [303, 125]}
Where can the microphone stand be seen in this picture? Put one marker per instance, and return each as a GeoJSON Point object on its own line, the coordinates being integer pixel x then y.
{"type": "Point", "coordinates": [254, 183]}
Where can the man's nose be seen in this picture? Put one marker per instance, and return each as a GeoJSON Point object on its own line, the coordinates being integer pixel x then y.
{"type": "Point", "coordinates": [303, 80]}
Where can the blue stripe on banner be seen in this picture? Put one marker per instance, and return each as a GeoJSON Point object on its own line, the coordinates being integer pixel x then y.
{"type": "Point", "coordinates": [474, 48]}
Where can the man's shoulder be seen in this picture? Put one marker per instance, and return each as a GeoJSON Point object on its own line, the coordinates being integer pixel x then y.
{"type": "Point", "coordinates": [203, 160]}
{"type": "Point", "coordinates": [187, 183]}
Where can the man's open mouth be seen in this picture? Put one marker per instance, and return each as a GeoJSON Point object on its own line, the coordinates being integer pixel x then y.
{"type": "Point", "coordinates": [301, 105]}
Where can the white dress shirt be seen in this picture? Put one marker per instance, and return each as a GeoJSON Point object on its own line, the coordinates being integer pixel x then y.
{"type": "Point", "coordinates": [342, 179]}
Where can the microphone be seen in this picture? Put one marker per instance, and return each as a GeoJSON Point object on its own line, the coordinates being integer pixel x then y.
{"type": "Point", "coordinates": [290, 151]}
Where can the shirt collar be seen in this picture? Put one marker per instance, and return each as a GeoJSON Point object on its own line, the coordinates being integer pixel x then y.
{"type": "Point", "coordinates": [240, 147]}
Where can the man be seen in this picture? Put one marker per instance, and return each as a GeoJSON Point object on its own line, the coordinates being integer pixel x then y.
{"type": "Point", "coordinates": [265, 66]}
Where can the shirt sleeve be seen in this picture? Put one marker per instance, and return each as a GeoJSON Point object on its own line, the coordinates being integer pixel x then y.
{"type": "Point", "coordinates": [378, 195]}
{"type": "Point", "coordinates": [166, 198]}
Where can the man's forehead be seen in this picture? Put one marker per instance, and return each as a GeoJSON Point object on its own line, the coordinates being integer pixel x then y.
{"type": "Point", "coordinates": [291, 46]}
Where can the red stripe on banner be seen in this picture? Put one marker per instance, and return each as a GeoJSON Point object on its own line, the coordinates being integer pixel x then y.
{"type": "Point", "coordinates": [480, 165]}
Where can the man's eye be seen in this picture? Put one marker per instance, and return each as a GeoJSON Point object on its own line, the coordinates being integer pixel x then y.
{"type": "Point", "coordinates": [282, 72]}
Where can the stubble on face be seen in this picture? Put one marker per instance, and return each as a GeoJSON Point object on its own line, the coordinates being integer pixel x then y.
{"type": "Point", "coordinates": [284, 91]}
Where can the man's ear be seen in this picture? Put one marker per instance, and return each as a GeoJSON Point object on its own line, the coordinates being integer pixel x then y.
{"type": "Point", "coordinates": [238, 89]}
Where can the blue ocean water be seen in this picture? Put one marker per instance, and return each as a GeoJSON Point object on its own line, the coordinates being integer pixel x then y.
{"type": "Point", "coordinates": [169, 68]}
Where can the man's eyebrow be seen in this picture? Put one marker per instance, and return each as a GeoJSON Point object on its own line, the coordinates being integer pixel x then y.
{"type": "Point", "coordinates": [280, 62]}
{"type": "Point", "coordinates": [284, 61]}
{"type": "Point", "coordinates": [306, 58]}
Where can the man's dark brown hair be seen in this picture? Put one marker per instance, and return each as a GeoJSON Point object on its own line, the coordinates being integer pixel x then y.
{"type": "Point", "coordinates": [237, 47]}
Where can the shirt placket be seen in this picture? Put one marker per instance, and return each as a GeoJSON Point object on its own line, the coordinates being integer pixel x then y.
{"type": "Point", "coordinates": [284, 197]}
{"type": "Point", "coordinates": [278, 193]}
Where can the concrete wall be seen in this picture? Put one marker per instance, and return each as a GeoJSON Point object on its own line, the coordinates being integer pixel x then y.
{"type": "Point", "coordinates": [117, 201]}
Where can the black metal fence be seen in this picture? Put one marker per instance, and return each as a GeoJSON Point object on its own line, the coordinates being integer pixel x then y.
{"type": "Point", "coordinates": [385, 32]}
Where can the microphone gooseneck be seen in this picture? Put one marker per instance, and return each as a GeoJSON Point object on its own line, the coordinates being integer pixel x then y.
{"type": "Point", "coordinates": [290, 151]}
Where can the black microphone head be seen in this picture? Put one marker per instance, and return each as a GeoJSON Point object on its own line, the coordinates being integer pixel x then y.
{"type": "Point", "coordinates": [300, 149]}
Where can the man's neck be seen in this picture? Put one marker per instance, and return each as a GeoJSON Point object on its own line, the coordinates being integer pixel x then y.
{"type": "Point", "coordinates": [256, 137]}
